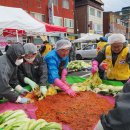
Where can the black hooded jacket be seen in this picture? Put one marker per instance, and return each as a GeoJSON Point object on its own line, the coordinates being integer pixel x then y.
{"type": "Point", "coordinates": [1, 53]}
{"type": "Point", "coordinates": [119, 117]}
{"type": "Point", "coordinates": [8, 72]}
{"type": "Point", "coordinates": [37, 71]}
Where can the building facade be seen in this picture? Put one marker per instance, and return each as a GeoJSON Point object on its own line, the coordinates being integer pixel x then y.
{"type": "Point", "coordinates": [88, 16]}
{"type": "Point", "coordinates": [113, 23]}
{"type": "Point", "coordinates": [57, 12]}
{"type": "Point", "coordinates": [125, 13]}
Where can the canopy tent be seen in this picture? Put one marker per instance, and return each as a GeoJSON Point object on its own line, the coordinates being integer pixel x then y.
{"type": "Point", "coordinates": [12, 32]}
{"type": "Point", "coordinates": [88, 37]}
{"type": "Point", "coordinates": [54, 28]}
{"type": "Point", "coordinates": [17, 18]}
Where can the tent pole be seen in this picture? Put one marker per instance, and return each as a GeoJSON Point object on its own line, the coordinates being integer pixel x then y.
{"type": "Point", "coordinates": [66, 34]}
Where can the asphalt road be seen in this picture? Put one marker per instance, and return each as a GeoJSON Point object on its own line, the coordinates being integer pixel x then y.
{"type": "Point", "coordinates": [80, 73]}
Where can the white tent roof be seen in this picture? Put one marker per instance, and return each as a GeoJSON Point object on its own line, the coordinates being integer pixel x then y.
{"type": "Point", "coordinates": [17, 18]}
{"type": "Point", "coordinates": [88, 37]}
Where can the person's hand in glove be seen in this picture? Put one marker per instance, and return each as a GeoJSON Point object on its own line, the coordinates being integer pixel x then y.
{"type": "Point", "coordinates": [22, 100]}
{"type": "Point", "coordinates": [99, 126]}
{"type": "Point", "coordinates": [128, 81]}
{"type": "Point", "coordinates": [43, 90]}
{"type": "Point", "coordinates": [104, 65]}
{"type": "Point", "coordinates": [94, 67]}
{"type": "Point", "coordinates": [64, 87]}
{"type": "Point", "coordinates": [71, 92]}
{"type": "Point", "coordinates": [21, 90]}
{"type": "Point", "coordinates": [31, 83]}
{"type": "Point", "coordinates": [63, 76]}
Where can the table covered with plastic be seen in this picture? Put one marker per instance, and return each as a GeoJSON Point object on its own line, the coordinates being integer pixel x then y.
{"type": "Point", "coordinates": [31, 108]}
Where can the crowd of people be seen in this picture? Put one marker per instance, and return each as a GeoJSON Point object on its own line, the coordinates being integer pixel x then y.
{"type": "Point", "coordinates": [26, 65]}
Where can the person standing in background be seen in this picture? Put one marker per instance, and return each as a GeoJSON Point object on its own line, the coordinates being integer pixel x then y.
{"type": "Point", "coordinates": [102, 42]}
{"type": "Point", "coordinates": [8, 45]}
{"type": "Point", "coordinates": [45, 48]}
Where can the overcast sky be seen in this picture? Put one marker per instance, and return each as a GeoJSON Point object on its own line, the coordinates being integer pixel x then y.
{"type": "Point", "coordinates": [115, 5]}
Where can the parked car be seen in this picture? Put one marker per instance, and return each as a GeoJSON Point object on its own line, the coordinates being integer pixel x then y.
{"type": "Point", "coordinates": [86, 52]}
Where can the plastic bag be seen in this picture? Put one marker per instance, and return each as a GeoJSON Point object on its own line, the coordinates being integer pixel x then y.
{"type": "Point", "coordinates": [65, 127]}
{"type": "Point", "coordinates": [28, 108]}
{"type": "Point", "coordinates": [111, 99]}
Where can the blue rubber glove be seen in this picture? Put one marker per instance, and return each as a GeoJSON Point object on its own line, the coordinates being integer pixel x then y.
{"type": "Point", "coordinates": [24, 100]}
{"type": "Point", "coordinates": [99, 126]}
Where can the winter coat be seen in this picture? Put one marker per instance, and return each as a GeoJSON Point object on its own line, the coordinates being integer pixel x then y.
{"type": "Point", "coordinates": [37, 71]}
{"type": "Point", "coordinates": [1, 53]}
{"type": "Point", "coordinates": [119, 117]}
{"type": "Point", "coordinates": [55, 65]}
{"type": "Point", "coordinates": [102, 56]}
{"type": "Point", "coordinates": [8, 72]}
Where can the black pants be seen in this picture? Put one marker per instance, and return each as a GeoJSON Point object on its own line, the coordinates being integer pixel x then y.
{"type": "Point", "coordinates": [101, 73]}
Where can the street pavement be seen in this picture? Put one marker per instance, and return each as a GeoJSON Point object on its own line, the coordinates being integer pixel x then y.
{"type": "Point", "coordinates": [83, 73]}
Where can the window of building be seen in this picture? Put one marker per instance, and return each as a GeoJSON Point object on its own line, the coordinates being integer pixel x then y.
{"type": "Point", "coordinates": [120, 13]}
{"type": "Point", "coordinates": [72, 23]}
{"type": "Point", "coordinates": [126, 11]}
{"type": "Point", "coordinates": [55, 2]}
{"type": "Point", "coordinates": [65, 4]}
{"type": "Point", "coordinates": [92, 11]}
{"type": "Point", "coordinates": [38, 16]}
{"type": "Point", "coordinates": [90, 25]}
{"type": "Point", "coordinates": [118, 21]}
{"type": "Point", "coordinates": [69, 23]}
{"type": "Point", "coordinates": [57, 21]}
{"type": "Point", "coordinates": [98, 27]}
{"type": "Point", "coordinates": [94, 26]}
{"type": "Point", "coordinates": [126, 17]}
{"type": "Point", "coordinates": [126, 24]}
{"type": "Point", "coordinates": [99, 14]}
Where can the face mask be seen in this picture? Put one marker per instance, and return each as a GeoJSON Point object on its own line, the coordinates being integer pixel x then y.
{"type": "Point", "coordinates": [30, 60]}
{"type": "Point", "coordinates": [18, 62]}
